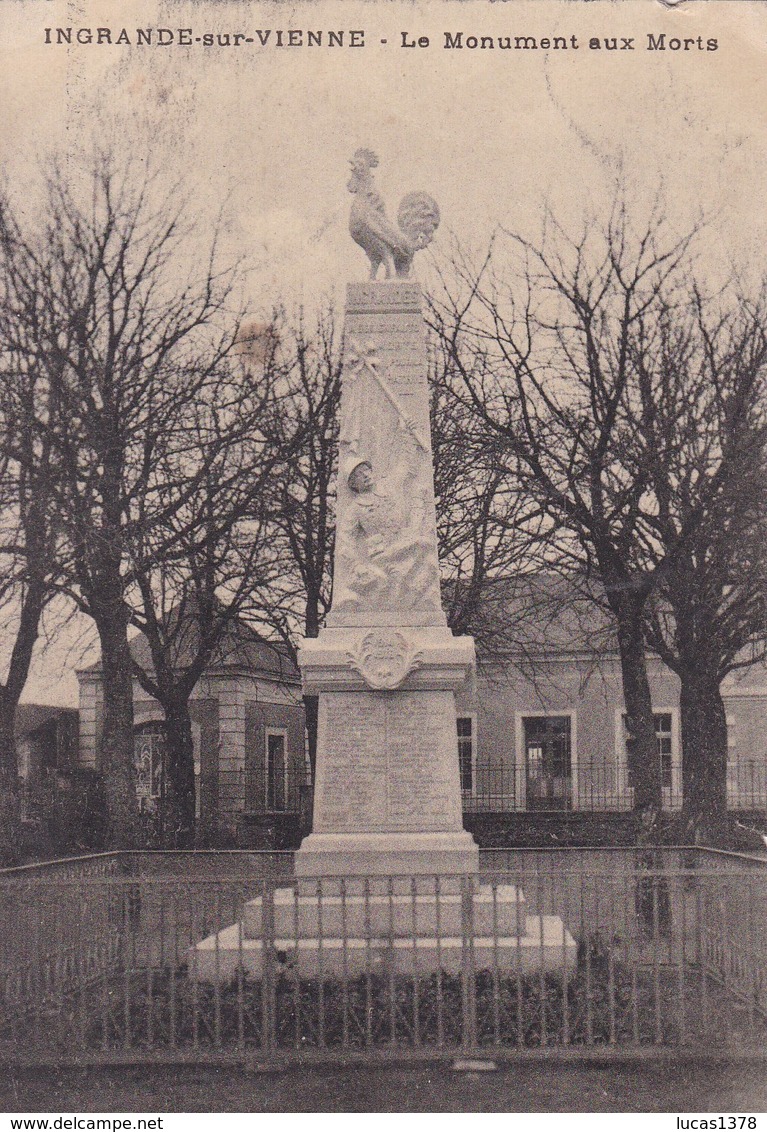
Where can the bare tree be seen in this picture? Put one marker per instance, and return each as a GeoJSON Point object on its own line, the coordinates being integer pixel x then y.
{"type": "Point", "coordinates": [701, 421]}
{"type": "Point", "coordinates": [607, 397]}
{"type": "Point", "coordinates": [492, 538]}
{"type": "Point", "coordinates": [304, 423]}
{"type": "Point", "coordinates": [27, 527]}
{"type": "Point", "coordinates": [542, 346]}
{"type": "Point", "coordinates": [211, 561]}
{"type": "Point", "coordinates": [127, 323]}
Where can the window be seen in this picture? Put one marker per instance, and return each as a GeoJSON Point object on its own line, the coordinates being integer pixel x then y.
{"type": "Point", "coordinates": [276, 770]}
{"type": "Point", "coordinates": [148, 757]}
{"type": "Point", "coordinates": [465, 725]}
{"type": "Point", "coordinates": [664, 741]}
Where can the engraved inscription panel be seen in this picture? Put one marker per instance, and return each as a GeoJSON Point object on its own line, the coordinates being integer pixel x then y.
{"type": "Point", "coordinates": [387, 761]}
{"type": "Point", "coordinates": [351, 762]}
{"type": "Point", "coordinates": [383, 296]}
{"type": "Point", "coordinates": [421, 735]}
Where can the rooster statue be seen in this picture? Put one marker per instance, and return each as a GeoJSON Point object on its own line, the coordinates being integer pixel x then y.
{"type": "Point", "coordinates": [382, 241]}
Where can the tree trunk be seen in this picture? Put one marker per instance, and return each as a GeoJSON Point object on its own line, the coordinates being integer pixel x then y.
{"type": "Point", "coordinates": [10, 693]}
{"type": "Point", "coordinates": [312, 703]}
{"type": "Point", "coordinates": [704, 757]}
{"type": "Point", "coordinates": [179, 813]}
{"type": "Point", "coordinates": [640, 724]}
{"type": "Point", "coordinates": [311, 709]}
{"type": "Point", "coordinates": [116, 748]}
{"type": "Point", "coordinates": [9, 783]}
{"type": "Point", "coordinates": [9, 819]}
{"type": "Point", "coordinates": [8, 756]}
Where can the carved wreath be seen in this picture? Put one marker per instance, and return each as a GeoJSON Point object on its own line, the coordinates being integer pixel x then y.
{"type": "Point", "coordinates": [384, 658]}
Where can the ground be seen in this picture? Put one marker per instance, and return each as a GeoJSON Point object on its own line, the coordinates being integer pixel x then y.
{"type": "Point", "coordinates": [668, 1086]}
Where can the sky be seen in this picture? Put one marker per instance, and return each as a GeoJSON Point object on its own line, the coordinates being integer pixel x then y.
{"type": "Point", "coordinates": [264, 134]}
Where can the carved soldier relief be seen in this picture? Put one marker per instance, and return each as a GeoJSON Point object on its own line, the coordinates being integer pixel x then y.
{"type": "Point", "coordinates": [384, 539]}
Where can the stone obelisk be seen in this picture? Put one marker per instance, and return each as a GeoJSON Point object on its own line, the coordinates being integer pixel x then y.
{"type": "Point", "coordinates": [387, 797]}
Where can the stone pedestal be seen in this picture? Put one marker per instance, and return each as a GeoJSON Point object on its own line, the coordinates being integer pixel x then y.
{"type": "Point", "coordinates": [397, 855]}
{"type": "Point", "coordinates": [387, 793]}
{"type": "Point", "coordinates": [340, 931]}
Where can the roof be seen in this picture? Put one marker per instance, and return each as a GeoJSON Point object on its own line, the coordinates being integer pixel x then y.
{"type": "Point", "coordinates": [31, 717]}
{"type": "Point", "coordinates": [241, 648]}
{"type": "Point", "coordinates": [536, 615]}
{"type": "Point", "coordinates": [530, 616]}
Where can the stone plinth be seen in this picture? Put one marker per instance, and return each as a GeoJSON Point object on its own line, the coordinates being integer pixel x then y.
{"type": "Point", "coordinates": [392, 925]}
{"type": "Point", "coordinates": [400, 856]}
{"type": "Point", "coordinates": [496, 911]}
{"type": "Point", "coordinates": [545, 947]}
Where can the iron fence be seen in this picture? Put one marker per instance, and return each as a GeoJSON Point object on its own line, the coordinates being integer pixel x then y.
{"type": "Point", "coordinates": [247, 797]}
{"type": "Point", "coordinates": [597, 787]}
{"type": "Point", "coordinates": [493, 790]}
{"type": "Point", "coordinates": [571, 952]}
{"type": "Point", "coordinates": [747, 784]}
{"type": "Point", "coordinates": [605, 787]}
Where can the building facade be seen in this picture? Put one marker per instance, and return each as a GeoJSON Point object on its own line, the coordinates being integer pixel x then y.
{"type": "Point", "coordinates": [248, 733]}
{"type": "Point", "coordinates": [554, 739]}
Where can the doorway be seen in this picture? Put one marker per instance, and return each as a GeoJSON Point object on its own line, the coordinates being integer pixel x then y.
{"type": "Point", "coordinates": [548, 765]}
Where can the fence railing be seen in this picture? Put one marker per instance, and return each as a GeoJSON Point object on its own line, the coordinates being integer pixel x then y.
{"type": "Point", "coordinates": [493, 790]}
{"type": "Point", "coordinates": [747, 784]}
{"type": "Point", "coordinates": [603, 787]}
{"type": "Point", "coordinates": [595, 787]}
{"type": "Point", "coordinates": [546, 955]}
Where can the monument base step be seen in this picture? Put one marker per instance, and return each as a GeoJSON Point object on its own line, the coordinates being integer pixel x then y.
{"type": "Point", "coordinates": [397, 856]}
{"type": "Point", "coordinates": [546, 946]}
{"type": "Point", "coordinates": [497, 911]}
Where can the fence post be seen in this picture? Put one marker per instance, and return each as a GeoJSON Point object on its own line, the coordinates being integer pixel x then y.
{"type": "Point", "coordinates": [468, 979]}
{"type": "Point", "coordinates": [268, 989]}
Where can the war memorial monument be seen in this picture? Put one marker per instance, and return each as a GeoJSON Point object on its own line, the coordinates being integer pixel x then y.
{"type": "Point", "coordinates": [388, 875]}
